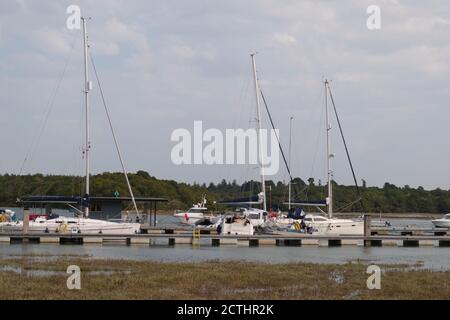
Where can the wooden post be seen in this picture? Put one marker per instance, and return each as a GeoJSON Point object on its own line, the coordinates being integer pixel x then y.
{"type": "Point", "coordinates": [26, 221]}
{"type": "Point", "coordinates": [154, 214]}
{"type": "Point", "coordinates": [367, 222]}
{"type": "Point", "coordinates": [148, 212]}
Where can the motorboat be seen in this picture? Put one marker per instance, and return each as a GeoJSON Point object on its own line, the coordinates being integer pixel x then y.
{"type": "Point", "coordinates": [257, 217]}
{"type": "Point", "coordinates": [443, 222]}
{"type": "Point", "coordinates": [194, 214]}
{"type": "Point", "coordinates": [236, 225]}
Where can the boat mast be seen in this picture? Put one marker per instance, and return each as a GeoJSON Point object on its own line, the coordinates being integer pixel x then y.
{"type": "Point", "coordinates": [258, 107]}
{"type": "Point", "coordinates": [87, 88]}
{"type": "Point", "coordinates": [290, 143]}
{"type": "Point", "coordinates": [329, 155]}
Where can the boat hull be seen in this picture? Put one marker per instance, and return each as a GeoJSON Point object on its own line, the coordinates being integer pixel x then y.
{"type": "Point", "coordinates": [189, 218]}
{"type": "Point", "coordinates": [237, 229]}
{"type": "Point", "coordinates": [338, 228]}
{"type": "Point", "coordinates": [71, 226]}
{"type": "Point", "coordinates": [441, 223]}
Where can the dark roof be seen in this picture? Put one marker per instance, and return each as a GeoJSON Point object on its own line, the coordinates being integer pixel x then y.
{"type": "Point", "coordinates": [81, 200]}
{"type": "Point", "coordinates": [137, 199]}
{"type": "Point", "coordinates": [247, 200]}
{"type": "Point", "coordinates": [51, 199]}
{"type": "Point", "coordinates": [316, 203]}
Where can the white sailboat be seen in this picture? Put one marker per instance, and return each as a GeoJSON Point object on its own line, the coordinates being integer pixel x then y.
{"type": "Point", "coordinates": [81, 224]}
{"type": "Point", "coordinates": [246, 219]}
{"type": "Point", "coordinates": [71, 225]}
{"type": "Point", "coordinates": [319, 224]}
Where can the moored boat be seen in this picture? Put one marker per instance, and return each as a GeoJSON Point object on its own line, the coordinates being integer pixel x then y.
{"type": "Point", "coordinates": [194, 214]}
{"type": "Point", "coordinates": [443, 222]}
{"type": "Point", "coordinates": [81, 223]}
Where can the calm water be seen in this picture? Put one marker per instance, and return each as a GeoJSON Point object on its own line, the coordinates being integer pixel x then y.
{"type": "Point", "coordinates": [431, 257]}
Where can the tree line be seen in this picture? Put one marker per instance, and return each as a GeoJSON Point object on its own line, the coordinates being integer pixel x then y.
{"type": "Point", "coordinates": [389, 198]}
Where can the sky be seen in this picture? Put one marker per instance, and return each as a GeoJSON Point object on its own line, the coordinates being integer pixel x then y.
{"type": "Point", "coordinates": [165, 64]}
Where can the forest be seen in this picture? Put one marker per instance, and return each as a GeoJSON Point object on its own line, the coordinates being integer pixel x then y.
{"type": "Point", "coordinates": [389, 198]}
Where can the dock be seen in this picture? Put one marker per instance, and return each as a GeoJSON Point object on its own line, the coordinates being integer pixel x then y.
{"type": "Point", "coordinates": [171, 237]}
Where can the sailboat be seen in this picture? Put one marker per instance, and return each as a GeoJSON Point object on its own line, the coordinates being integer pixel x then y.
{"type": "Point", "coordinates": [320, 224]}
{"type": "Point", "coordinates": [81, 223]}
{"type": "Point", "coordinates": [246, 218]}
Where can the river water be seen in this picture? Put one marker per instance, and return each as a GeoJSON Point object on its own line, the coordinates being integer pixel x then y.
{"type": "Point", "coordinates": [427, 257]}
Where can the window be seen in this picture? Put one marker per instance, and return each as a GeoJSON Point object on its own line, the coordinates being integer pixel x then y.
{"type": "Point", "coordinates": [253, 216]}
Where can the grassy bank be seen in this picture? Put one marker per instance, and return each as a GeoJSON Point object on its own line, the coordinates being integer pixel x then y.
{"type": "Point", "coordinates": [32, 277]}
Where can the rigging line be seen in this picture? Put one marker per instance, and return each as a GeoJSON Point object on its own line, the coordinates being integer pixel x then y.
{"type": "Point", "coordinates": [114, 135]}
{"type": "Point", "coordinates": [346, 149]}
{"type": "Point", "coordinates": [242, 100]}
{"type": "Point", "coordinates": [276, 135]}
{"type": "Point", "coordinates": [341, 209]}
{"type": "Point", "coordinates": [50, 105]}
{"type": "Point", "coordinates": [317, 141]}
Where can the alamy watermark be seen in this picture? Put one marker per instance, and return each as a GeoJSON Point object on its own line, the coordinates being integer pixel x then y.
{"type": "Point", "coordinates": [236, 146]}
{"type": "Point", "coordinates": [74, 280]}
{"type": "Point", "coordinates": [374, 280]}
{"type": "Point", "coordinates": [373, 22]}
{"type": "Point", "coordinates": [73, 22]}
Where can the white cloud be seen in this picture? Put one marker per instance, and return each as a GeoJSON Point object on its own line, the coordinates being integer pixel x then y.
{"type": "Point", "coordinates": [120, 32]}
{"type": "Point", "coordinates": [284, 39]}
{"type": "Point", "coordinates": [106, 48]}
{"type": "Point", "coordinates": [55, 42]}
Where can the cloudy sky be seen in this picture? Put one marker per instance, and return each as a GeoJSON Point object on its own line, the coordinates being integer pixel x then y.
{"type": "Point", "coordinates": [165, 64]}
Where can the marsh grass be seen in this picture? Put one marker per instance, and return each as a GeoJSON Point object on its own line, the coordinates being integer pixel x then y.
{"type": "Point", "coordinates": [217, 280]}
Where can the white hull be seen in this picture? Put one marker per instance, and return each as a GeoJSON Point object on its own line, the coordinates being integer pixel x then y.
{"type": "Point", "coordinates": [194, 214]}
{"type": "Point", "coordinates": [336, 227]}
{"type": "Point", "coordinates": [444, 222]}
{"type": "Point", "coordinates": [320, 225]}
{"type": "Point", "coordinates": [441, 223]}
{"type": "Point", "coordinates": [237, 229]}
{"type": "Point", "coordinates": [73, 225]}
{"type": "Point", "coordinates": [189, 218]}
{"type": "Point", "coordinates": [233, 226]}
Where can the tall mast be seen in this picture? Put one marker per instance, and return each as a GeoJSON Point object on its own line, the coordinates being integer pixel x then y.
{"type": "Point", "coordinates": [87, 88]}
{"type": "Point", "coordinates": [258, 107]}
{"type": "Point", "coordinates": [290, 143]}
{"type": "Point", "coordinates": [329, 155]}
